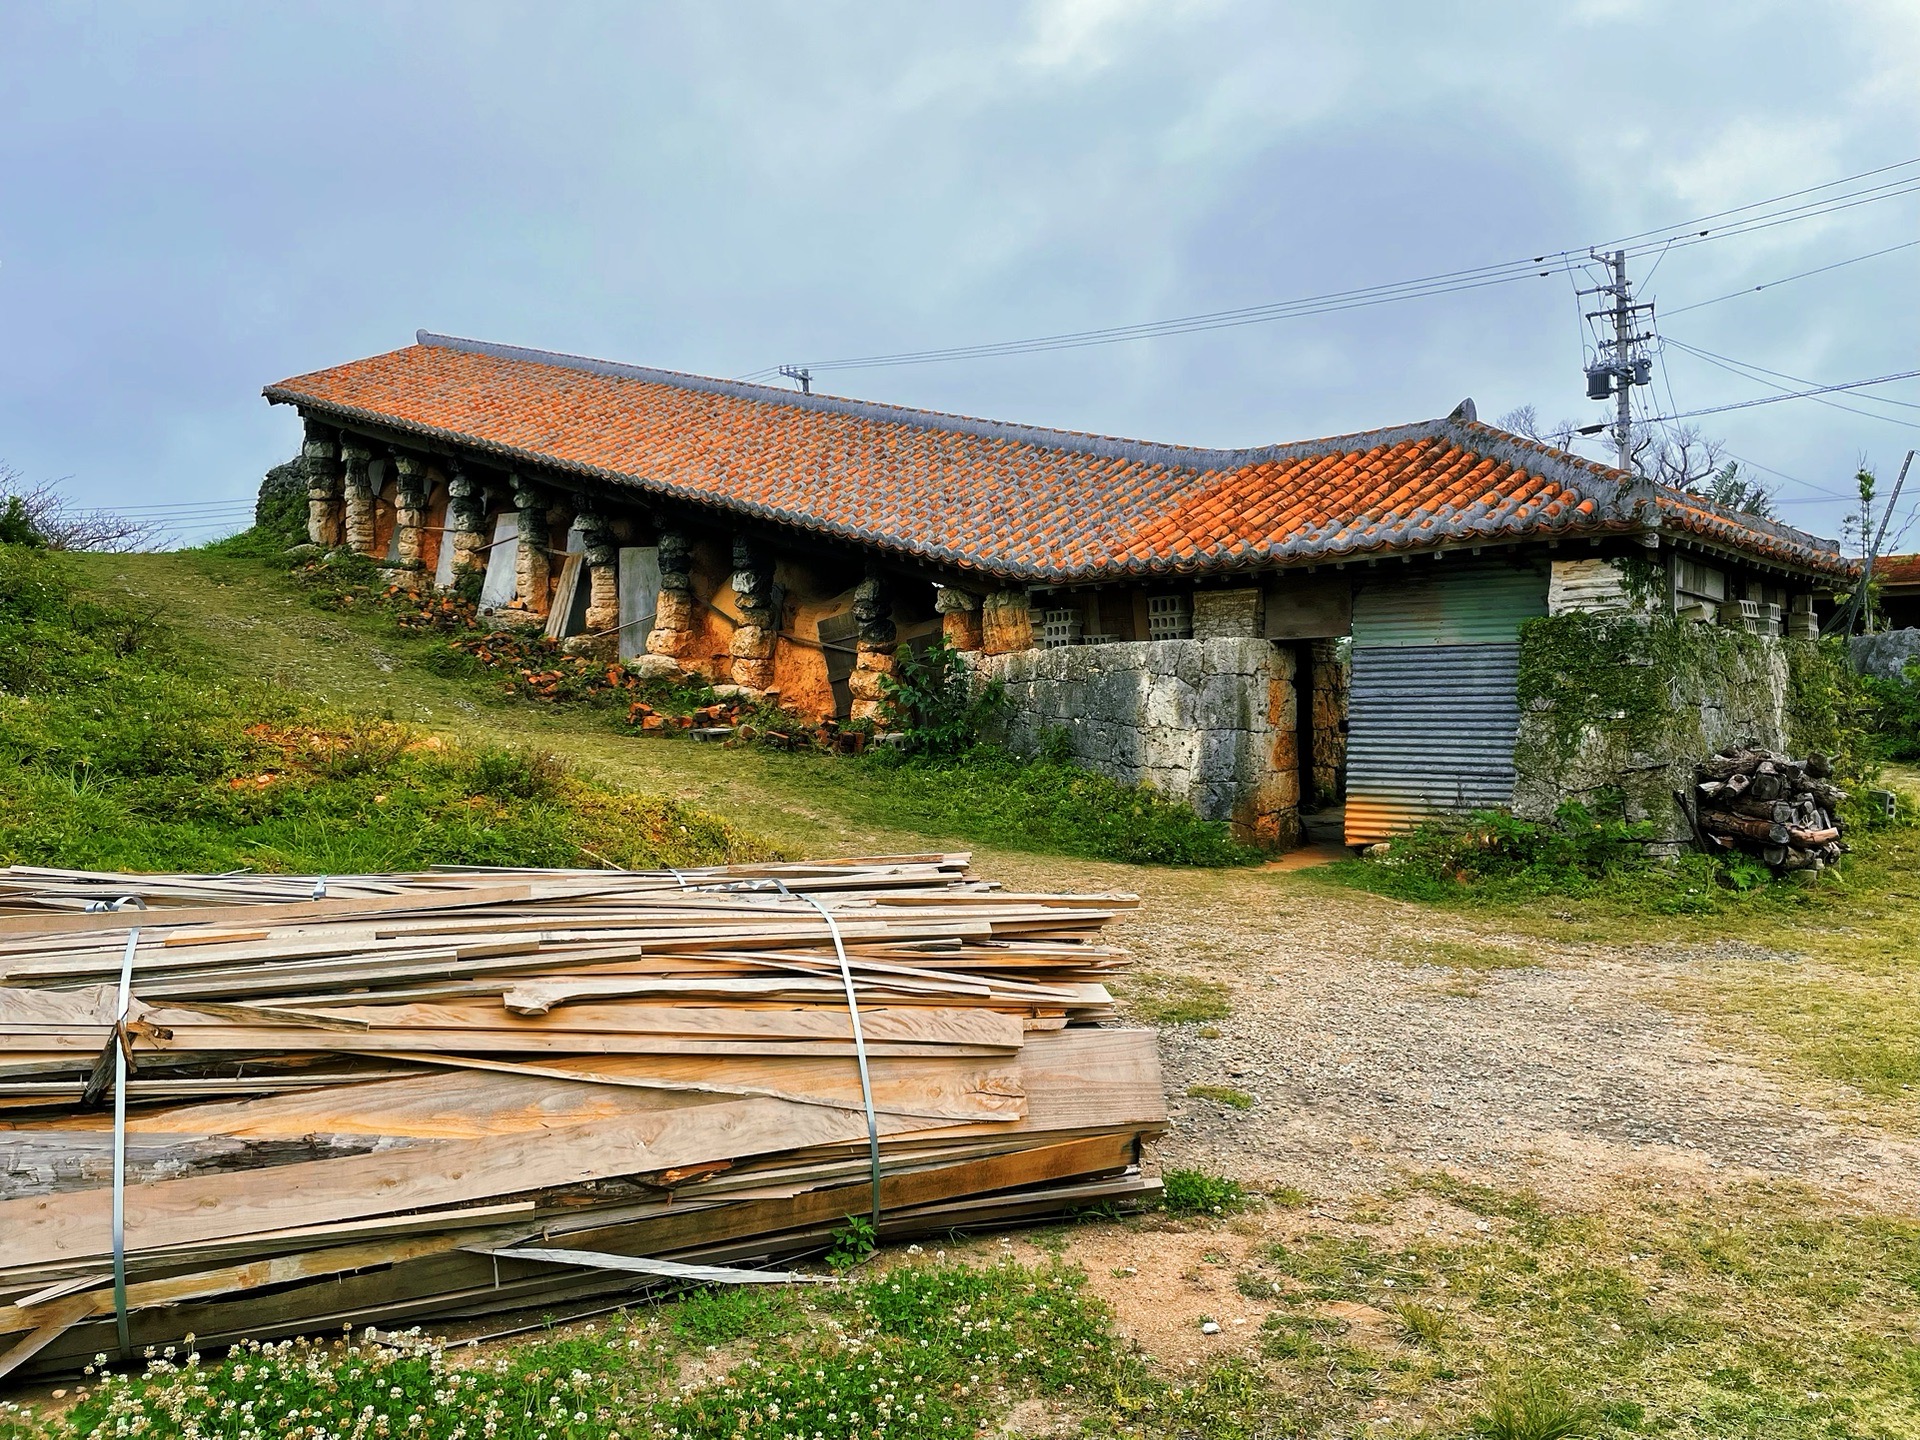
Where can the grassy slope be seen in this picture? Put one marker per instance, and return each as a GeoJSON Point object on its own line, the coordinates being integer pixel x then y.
{"type": "Point", "coordinates": [133, 743]}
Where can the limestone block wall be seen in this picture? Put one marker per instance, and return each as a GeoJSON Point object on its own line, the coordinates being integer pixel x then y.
{"type": "Point", "coordinates": [1209, 722]}
{"type": "Point", "coordinates": [1739, 698]}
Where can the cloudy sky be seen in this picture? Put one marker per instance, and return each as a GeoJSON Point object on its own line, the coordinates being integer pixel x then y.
{"type": "Point", "coordinates": [197, 199]}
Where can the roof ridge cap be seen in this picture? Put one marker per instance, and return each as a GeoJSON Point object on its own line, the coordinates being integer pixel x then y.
{"type": "Point", "coordinates": [1186, 457]}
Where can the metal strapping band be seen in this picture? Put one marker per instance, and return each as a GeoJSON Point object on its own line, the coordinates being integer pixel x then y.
{"type": "Point", "coordinates": [120, 1042]}
{"type": "Point", "coordinates": [853, 1014]}
{"type": "Point", "coordinates": [319, 887]}
{"type": "Point", "coordinates": [859, 1048]}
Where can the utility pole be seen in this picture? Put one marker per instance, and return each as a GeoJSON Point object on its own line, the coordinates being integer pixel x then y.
{"type": "Point", "coordinates": [1620, 368]}
{"type": "Point", "coordinates": [1622, 327]}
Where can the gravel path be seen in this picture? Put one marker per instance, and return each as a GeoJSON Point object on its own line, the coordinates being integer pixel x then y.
{"type": "Point", "coordinates": [1364, 1064]}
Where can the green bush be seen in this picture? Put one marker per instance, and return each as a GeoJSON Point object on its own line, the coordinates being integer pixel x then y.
{"type": "Point", "coordinates": [1494, 852]}
{"type": "Point", "coordinates": [937, 702]}
{"type": "Point", "coordinates": [16, 525]}
{"type": "Point", "coordinates": [1893, 709]}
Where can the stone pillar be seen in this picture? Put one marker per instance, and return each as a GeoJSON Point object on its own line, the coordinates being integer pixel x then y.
{"type": "Point", "coordinates": [530, 557]}
{"type": "Point", "coordinates": [466, 522]}
{"type": "Point", "coordinates": [959, 612]}
{"type": "Point", "coordinates": [873, 653]}
{"type": "Point", "coordinates": [1006, 623]}
{"type": "Point", "coordinates": [676, 628]}
{"type": "Point", "coordinates": [325, 523]}
{"type": "Point", "coordinates": [354, 457]}
{"type": "Point", "coordinates": [409, 515]}
{"type": "Point", "coordinates": [752, 644]}
{"type": "Point", "coordinates": [603, 579]}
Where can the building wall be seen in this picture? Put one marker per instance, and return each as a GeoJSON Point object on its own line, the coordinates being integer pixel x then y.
{"type": "Point", "coordinates": [1209, 722]}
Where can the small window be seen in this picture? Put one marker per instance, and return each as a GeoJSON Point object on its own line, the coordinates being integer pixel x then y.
{"type": "Point", "coordinates": [1169, 617]}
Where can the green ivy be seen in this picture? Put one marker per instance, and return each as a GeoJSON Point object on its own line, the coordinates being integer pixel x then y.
{"type": "Point", "coordinates": [1830, 708]}
{"type": "Point", "coordinates": [1622, 673]}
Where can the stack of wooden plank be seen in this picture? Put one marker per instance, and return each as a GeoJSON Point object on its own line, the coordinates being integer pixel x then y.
{"type": "Point", "coordinates": [1779, 810]}
{"type": "Point", "coordinates": [392, 1099]}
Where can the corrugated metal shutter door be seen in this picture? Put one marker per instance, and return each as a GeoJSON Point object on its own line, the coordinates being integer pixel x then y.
{"type": "Point", "coordinates": [1430, 729]}
{"type": "Point", "coordinates": [1434, 709]}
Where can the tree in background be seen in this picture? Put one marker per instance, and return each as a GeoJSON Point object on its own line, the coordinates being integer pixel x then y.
{"type": "Point", "coordinates": [40, 516]}
{"type": "Point", "coordinates": [1678, 457]}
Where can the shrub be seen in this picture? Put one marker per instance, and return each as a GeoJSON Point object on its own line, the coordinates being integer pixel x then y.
{"type": "Point", "coordinates": [1893, 710]}
{"type": "Point", "coordinates": [517, 774]}
{"type": "Point", "coordinates": [1496, 852]}
{"type": "Point", "coordinates": [937, 702]}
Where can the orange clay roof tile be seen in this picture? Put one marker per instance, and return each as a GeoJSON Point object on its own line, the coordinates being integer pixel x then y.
{"type": "Point", "coordinates": [1013, 501]}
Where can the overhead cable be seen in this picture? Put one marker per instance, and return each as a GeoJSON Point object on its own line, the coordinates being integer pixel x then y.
{"type": "Point", "coordinates": [1786, 279]}
{"type": "Point", "coordinates": [1796, 395]}
{"type": "Point", "coordinates": [1814, 392]}
{"type": "Point", "coordinates": [1449, 282]}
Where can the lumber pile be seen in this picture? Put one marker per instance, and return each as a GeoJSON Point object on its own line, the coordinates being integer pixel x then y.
{"type": "Point", "coordinates": [395, 1099]}
{"type": "Point", "coordinates": [1780, 810]}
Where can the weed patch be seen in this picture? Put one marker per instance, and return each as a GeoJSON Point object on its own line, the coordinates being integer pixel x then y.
{"type": "Point", "coordinates": [1044, 803]}
{"type": "Point", "coordinates": [1161, 999]}
{"type": "Point", "coordinates": [1195, 1192]}
{"type": "Point", "coordinates": [1222, 1095]}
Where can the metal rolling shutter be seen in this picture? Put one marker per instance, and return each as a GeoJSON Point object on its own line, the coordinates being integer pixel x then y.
{"type": "Point", "coordinates": [1430, 729]}
{"type": "Point", "coordinates": [1433, 711]}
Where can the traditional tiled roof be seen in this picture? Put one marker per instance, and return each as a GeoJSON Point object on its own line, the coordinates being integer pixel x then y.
{"type": "Point", "coordinates": [1012, 501]}
{"type": "Point", "coordinates": [1900, 570]}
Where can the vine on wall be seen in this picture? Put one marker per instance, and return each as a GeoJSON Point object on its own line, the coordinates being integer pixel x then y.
{"type": "Point", "coordinates": [1629, 703]}
{"type": "Point", "coordinates": [1625, 675]}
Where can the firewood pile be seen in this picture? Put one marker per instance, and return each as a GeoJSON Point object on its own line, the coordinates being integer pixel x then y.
{"type": "Point", "coordinates": [398, 1099]}
{"type": "Point", "coordinates": [1781, 811]}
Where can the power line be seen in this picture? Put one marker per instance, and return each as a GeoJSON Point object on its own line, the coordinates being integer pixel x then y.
{"type": "Point", "coordinates": [1449, 282]}
{"type": "Point", "coordinates": [1819, 494]}
{"type": "Point", "coordinates": [1782, 375]}
{"type": "Point", "coordinates": [1785, 279]}
{"type": "Point", "coordinates": [1795, 395]}
{"type": "Point", "coordinates": [1743, 370]}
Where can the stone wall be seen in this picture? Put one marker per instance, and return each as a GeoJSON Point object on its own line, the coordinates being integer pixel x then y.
{"type": "Point", "coordinates": [1732, 690]}
{"type": "Point", "coordinates": [1886, 654]}
{"type": "Point", "coordinates": [1205, 721]}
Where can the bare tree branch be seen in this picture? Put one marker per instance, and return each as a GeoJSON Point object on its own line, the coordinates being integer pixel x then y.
{"type": "Point", "coordinates": [50, 520]}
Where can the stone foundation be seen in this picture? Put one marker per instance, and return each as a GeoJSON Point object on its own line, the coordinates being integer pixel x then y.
{"type": "Point", "coordinates": [1209, 722]}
